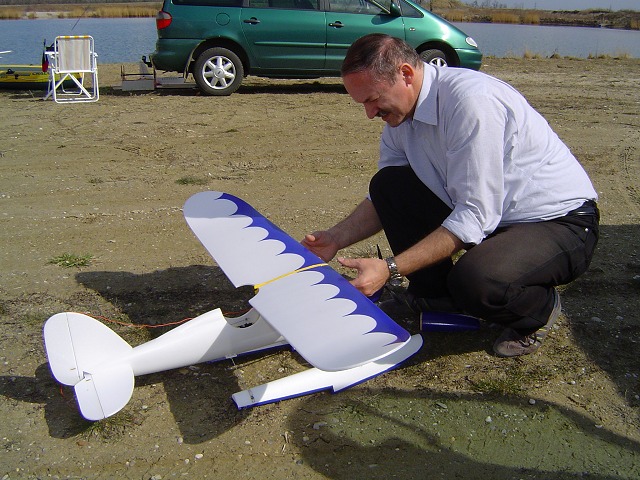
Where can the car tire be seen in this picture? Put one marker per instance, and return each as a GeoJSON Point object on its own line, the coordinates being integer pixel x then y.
{"type": "Point", "coordinates": [218, 71]}
{"type": "Point", "coordinates": [434, 57]}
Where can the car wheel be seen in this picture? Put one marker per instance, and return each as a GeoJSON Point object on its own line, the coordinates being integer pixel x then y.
{"type": "Point", "coordinates": [434, 57]}
{"type": "Point", "coordinates": [218, 71]}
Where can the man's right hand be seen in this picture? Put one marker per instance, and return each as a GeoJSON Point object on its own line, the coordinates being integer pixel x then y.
{"type": "Point", "coordinates": [322, 244]}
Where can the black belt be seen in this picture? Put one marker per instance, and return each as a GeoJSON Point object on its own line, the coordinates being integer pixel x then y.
{"type": "Point", "coordinates": [590, 207]}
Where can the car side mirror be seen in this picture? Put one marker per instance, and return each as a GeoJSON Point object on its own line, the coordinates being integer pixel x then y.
{"type": "Point", "coordinates": [394, 9]}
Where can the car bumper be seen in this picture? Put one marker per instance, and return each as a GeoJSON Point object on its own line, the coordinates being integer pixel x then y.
{"type": "Point", "coordinates": [469, 58]}
{"type": "Point", "coordinates": [170, 54]}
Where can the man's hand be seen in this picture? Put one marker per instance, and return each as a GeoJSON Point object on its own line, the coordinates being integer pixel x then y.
{"type": "Point", "coordinates": [373, 273]}
{"type": "Point", "coordinates": [322, 244]}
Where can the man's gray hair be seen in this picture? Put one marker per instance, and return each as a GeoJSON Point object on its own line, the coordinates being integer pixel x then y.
{"type": "Point", "coordinates": [381, 55]}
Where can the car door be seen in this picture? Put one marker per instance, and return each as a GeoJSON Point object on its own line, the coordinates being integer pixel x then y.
{"type": "Point", "coordinates": [285, 34]}
{"type": "Point", "coordinates": [348, 20]}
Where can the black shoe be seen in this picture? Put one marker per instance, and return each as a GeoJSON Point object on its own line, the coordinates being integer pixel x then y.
{"type": "Point", "coordinates": [512, 344]}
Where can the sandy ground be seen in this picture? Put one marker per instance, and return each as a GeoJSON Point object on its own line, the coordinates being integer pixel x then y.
{"type": "Point", "coordinates": [109, 179]}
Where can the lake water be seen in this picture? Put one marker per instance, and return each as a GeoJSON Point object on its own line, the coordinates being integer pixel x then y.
{"type": "Point", "coordinates": [117, 40]}
{"type": "Point", "coordinates": [120, 40]}
{"type": "Point", "coordinates": [502, 40]}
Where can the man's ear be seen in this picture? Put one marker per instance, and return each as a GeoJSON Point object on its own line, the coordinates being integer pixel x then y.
{"type": "Point", "coordinates": [408, 73]}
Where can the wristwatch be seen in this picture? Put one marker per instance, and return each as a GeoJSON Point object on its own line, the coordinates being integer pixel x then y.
{"type": "Point", "coordinates": [395, 279]}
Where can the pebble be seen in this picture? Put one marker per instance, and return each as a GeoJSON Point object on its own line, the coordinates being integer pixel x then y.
{"type": "Point", "coordinates": [488, 419]}
{"type": "Point", "coordinates": [199, 456]}
{"type": "Point", "coordinates": [532, 401]}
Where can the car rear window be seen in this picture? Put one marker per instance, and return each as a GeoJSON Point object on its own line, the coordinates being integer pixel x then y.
{"type": "Point", "coordinates": [210, 3]}
{"type": "Point", "coordinates": [286, 4]}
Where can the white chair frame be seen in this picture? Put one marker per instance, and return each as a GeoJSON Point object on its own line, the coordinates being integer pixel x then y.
{"type": "Point", "coordinates": [73, 58]}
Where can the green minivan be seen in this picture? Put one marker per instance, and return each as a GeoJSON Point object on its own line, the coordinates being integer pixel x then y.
{"type": "Point", "coordinates": [221, 41]}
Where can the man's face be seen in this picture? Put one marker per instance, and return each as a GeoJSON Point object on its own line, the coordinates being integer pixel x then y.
{"type": "Point", "coordinates": [394, 103]}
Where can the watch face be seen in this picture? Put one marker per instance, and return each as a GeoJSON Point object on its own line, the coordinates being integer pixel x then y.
{"type": "Point", "coordinates": [395, 281]}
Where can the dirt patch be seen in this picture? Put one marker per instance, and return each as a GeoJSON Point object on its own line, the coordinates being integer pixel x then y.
{"type": "Point", "coordinates": [109, 179]}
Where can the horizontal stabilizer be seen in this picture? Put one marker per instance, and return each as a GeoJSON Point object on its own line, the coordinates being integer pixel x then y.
{"type": "Point", "coordinates": [77, 343]}
{"type": "Point", "coordinates": [105, 392]}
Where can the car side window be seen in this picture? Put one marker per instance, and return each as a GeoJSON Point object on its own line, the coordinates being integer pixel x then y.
{"type": "Point", "coordinates": [409, 10]}
{"type": "Point", "coordinates": [210, 3]}
{"type": "Point", "coordinates": [355, 6]}
{"type": "Point", "coordinates": [286, 4]}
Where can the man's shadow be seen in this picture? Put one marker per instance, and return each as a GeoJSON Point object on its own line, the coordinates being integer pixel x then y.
{"type": "Point", "coordinates": [379, 433]}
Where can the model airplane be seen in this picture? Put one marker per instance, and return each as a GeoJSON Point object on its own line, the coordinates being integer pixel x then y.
{"type": "Point", "coordinates": [300, 301]}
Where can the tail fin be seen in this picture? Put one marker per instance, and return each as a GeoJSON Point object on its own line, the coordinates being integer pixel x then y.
{"type": "Point", "coordinates": [88, 355]}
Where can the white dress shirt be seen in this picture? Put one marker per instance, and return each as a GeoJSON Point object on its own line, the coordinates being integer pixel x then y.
{"type": "Point", "coordinates": [477, 144]}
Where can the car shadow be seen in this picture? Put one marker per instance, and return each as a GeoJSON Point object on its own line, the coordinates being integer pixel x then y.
{"type": "Point", "coordinates": [259, 87]}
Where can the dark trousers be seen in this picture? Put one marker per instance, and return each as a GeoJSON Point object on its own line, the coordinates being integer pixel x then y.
{"type": "Point", "coordinates": [509, 277]}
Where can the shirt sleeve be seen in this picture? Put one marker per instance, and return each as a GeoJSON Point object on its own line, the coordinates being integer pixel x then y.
{"type": "Point", "coordinates": [475, 130]}
{"type": "Point", "coordinates": [391, 154]}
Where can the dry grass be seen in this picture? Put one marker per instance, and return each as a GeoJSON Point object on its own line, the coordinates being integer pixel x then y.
{"type": "Point", "coordinates": [11, 13]}
{"type": "Point", "coordinates": [529, 55]}
{"type": "Point", "coordinates": [615, 56]}
{"type": "Point", "coordinates": [504, 17]}
{"type": "Point", "coordinates": [98, 10]}
{"type": "Point", "coordinates": [530, 18]}
{"type": "Point", "coordinates": [456, 16]}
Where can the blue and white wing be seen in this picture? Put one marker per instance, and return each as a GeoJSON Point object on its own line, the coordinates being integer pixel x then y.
{"type": "Point", "coordinates": [330, 323]}
{"type": "Point", "coordinates": [249, 248]}
{"type": "Point", "coordinates": [327, 320]}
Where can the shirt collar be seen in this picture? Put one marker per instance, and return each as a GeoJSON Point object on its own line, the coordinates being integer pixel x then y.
{"type": "Point", "coordinates": [427, 105]}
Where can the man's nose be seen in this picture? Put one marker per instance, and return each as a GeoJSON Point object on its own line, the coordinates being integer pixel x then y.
{"type": "Point", "coordinates": [371, 110]}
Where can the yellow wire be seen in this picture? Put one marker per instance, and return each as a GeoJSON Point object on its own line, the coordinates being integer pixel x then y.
{"type": "Point", "coordinates": [257, 286]}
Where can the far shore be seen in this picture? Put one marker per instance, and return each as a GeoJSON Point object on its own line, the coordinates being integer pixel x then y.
{"type": "Point", "coordinates": [623, 19]}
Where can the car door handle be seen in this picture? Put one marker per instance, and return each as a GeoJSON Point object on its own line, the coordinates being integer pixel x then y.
{"type": "Point", "coordinates": [252, 21]}
{"type": "Point", "coordinates": [336, 24]}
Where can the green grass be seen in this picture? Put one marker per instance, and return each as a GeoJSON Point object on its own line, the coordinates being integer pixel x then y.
{"type": "Point", "coordinates": [499, 386]}
{"type": "Point", "coordinates": [191, 180]}
{"type": "Point", "coordinates": [109, 428]}
{"type": "Point", "coordinates": [70, 260]}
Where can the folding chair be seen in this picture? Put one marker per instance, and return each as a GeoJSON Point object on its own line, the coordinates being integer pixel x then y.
{"type": "Point", "coordinates": [72, 60]}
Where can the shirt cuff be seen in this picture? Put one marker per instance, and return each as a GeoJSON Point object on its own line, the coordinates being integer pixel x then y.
{"type": "Point", "coordinates": [464, 225]}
